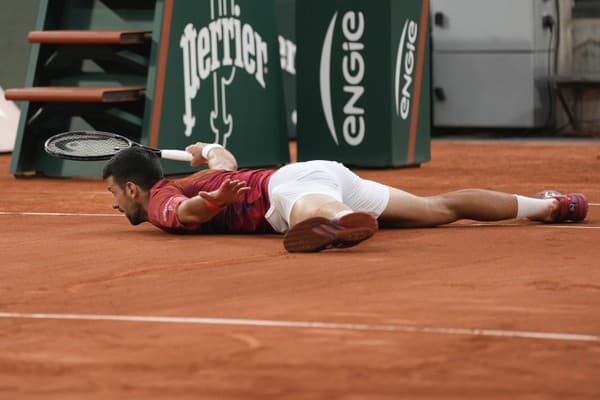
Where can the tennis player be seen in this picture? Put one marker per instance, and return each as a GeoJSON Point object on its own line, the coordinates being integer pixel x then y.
{"type": "Point", "coordinates": [315, 204]}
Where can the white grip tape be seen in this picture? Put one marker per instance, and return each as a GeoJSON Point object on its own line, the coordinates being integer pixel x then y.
{"type": "Point", "coordinates": [177, 155]}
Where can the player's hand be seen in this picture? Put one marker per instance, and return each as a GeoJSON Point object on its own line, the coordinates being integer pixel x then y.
{"type": "Point", "coordinates": [229, 192]}
{"type": "Point", "coordinates": [196, 151]}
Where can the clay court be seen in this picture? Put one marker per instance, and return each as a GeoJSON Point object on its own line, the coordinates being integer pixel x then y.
{"type": "Point", "coordinates": [93, 308]}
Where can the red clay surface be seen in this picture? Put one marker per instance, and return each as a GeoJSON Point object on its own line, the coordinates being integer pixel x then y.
{"type": "Point", "coordinates": [510, 277]}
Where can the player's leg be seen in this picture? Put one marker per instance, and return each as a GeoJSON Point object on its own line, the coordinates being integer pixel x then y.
{"type": "Point", "coordinates": [407, 210]}
{"type": "Point", "coordinates": [319, 222]}
{"type": "Point", "coordinates": [317, 205]}
{"type": "Point", "coordinates": [307, 202]}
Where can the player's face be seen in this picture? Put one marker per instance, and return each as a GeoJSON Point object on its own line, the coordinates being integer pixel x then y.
{"type": "Point", "coordinates": [125, 203]}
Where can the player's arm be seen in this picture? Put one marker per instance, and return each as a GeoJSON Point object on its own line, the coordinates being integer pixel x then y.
{"type": "Point", "coordinates": [201, 208]}
{"type": "Point", "coordinates": [215, 156]}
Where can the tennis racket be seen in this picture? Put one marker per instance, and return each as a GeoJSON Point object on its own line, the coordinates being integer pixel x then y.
{"type": "Point", "coordinates": [95, 146]}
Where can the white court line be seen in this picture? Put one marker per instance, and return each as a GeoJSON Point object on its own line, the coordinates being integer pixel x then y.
{"type": "Point", "coordinates": [308, 325]}
{"type": "Point", "coordinates": [52, 214]}
{"type": "Point", "coordinates": [568, 227]}
{"type": "Point", "coordinates": [522, 226]}
{"type": "Point", "coordinates": [57, 214]}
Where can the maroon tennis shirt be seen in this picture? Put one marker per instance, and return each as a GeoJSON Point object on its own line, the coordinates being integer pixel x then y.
{"type": "Point", "coordinates": [245, 216]}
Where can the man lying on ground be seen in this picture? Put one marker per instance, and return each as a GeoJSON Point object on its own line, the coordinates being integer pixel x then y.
{"type": "Point", "coordinates": [315, 204]}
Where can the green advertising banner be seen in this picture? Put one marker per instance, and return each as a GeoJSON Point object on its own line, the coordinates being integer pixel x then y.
{"type": "Point", "coordinates": [364, 81]}
{"type": "Point", "coordinates": [219, 81]}
{"type": "Point", "coordinates": [286, 22]}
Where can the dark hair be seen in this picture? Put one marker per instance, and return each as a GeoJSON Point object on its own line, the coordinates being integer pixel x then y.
{"type": "Point", "coordinates": [134, 165]}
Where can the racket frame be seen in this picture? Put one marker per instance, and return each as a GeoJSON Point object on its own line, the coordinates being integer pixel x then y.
{"type": "Point", "coordinates": [178, 155]}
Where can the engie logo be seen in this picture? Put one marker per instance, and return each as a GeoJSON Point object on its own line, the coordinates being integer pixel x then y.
{"type": "Point", "coordinates": [405, 68]}
{"type": "Point", "coordinates": [216, 51]}
{"type": "Point", "coordinates": [353, 72]}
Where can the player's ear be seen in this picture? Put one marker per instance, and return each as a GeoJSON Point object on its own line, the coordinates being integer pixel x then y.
{"type": "Point", "coordinates": [131, 190]}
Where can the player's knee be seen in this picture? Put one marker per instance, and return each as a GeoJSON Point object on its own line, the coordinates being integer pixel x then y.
{"type": "Point", "coordinates": [444, 208]}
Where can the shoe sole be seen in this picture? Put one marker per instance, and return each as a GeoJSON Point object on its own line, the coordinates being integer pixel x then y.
{"type": "Point", "coordinates": [316, 234]}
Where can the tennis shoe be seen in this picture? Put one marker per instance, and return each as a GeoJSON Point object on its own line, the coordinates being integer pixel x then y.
{"type": "Point", "coordinates": [318, 233]}
{"type": "Point", "coordinates": [573, 207]}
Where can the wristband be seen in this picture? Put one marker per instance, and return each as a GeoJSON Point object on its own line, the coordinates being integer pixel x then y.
{"type": "Point", "coordinates": [206, 149]}
{"type": "Point", "coordinates": [212, 206]}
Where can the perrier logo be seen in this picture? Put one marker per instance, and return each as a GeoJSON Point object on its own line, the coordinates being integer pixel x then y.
{"type": "Point", "coordinates": [214, 53]}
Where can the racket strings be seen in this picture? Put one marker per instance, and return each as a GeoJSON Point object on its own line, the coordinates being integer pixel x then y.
{"type": "Point", "coordinates": [87, 145]}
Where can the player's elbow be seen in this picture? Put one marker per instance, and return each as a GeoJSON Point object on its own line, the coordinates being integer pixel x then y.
{"type": "Point", "coordinates": [187, 215]}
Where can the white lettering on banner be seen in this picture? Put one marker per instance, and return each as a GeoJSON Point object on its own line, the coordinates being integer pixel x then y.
{"type": "Point", "coordinates": [405, 58]}
{"type": "Point", "coordinates": [325, 79]}
{"type": "Point", "coordinates": [287, 52]}
{"type": "Point", "coordinates": [226, 42]}
{"type": "Point", "coordinates": [353, 72]}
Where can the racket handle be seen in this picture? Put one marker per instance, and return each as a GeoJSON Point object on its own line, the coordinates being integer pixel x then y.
{"type": "Point", "coordinates": [177, 155]}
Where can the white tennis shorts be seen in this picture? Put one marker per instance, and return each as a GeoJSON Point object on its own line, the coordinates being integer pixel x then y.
{"type": "Point", "coordinates": [330, 178]}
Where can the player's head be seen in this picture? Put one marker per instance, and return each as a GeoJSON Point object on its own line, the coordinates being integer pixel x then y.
{"type": "Point", "coordinates": [130, 175]}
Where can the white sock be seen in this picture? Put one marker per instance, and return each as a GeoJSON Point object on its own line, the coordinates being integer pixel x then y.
{"type": "Point", "coordinates": [529, 207]}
